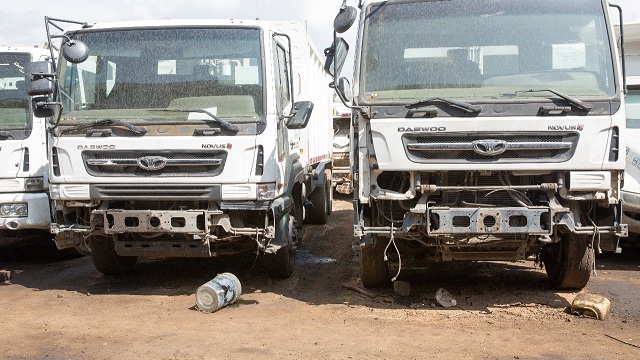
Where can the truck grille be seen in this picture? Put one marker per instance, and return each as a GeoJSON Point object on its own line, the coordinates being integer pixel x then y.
{"type": "Point", "coordinates": [489, 148]}
{"type": "Point", "coordinates": [154, 163]}
{"type": "Point", "coordinates": [155, 192]}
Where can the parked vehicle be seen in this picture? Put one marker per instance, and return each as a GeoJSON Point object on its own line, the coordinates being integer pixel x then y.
{"type": "Point", "coordinates": [631, 189]}
{"type": "Point", "coordinates": [484, 133]}
{"type": "Point", "coordinates": [187, 138]}
{"type": "Point", "coordinates": [341, 167]}
{"type": "Point", "coordinates": [24, 198]}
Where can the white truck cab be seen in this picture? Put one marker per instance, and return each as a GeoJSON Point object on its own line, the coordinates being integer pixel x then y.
{"type": "Point", "coordinates": [24, 198]}
{"type": "Point", "coordinates": [484, 130]}
{"type": "Point", "coordinates": [186, 138]}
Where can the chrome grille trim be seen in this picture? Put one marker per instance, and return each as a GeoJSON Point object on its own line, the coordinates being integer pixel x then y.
{"type": "Point", "coordinates": [510, 146]}
{"type": "Point", "coordinates": [169, 162]}
{"type": "Point", "coordinates": [494, 148]}
{"type": "Point", "coordinates": [159, 163]}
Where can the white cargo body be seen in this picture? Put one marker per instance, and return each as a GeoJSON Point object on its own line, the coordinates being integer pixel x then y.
{"type": "Point", "coordinates": [482, 132]}
{"type": "Point", "coordinates": [24, 199]}
{"type": "Point", "coordinates": [181, 138]}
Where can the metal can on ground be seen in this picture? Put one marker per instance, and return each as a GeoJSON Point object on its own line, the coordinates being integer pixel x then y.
{"type": "Point", "coordinates": [223, 290]}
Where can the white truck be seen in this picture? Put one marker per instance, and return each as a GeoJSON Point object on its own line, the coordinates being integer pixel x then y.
{"type": "Point", "coordinates": [485, 130]}
{"type": "Point", "coordinates": [341, 164]}
{"type": "Point", "coordinates": [631, 189]}
{"type": "Point", "coordinates": [186, 138]}
{"type": "Point", "coordinates": [24, 198]}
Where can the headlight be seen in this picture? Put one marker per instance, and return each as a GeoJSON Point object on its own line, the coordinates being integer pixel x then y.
{"type": "Point", "coordinates": [14, 210]}
{"type": "Point", "coordinates": [54, 192]}
{"type": "Point", "coordinates": [266, 191]}
{"type": "Point", "coordinates": [34, 184]}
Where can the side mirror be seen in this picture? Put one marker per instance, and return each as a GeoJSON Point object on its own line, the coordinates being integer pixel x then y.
{"type": "Point", "coordinates": [42, 107]}
{"type": "Point", "coordinates": [74, 51]}
{"type": "Point", "coordinates": [38, 76]}
{"type": "Point", "coordinates": [345, 18]}
{"type": "Point", "coordinates": [301, 113]}
{"type": "Point", "coordinates": [336, 56]}
{"type": "Point", "coordinates": [344, 89]}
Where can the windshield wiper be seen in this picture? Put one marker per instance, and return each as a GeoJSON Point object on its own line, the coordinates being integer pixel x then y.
{"type": "Point", "coordinates": [229, 126]}
{"type": "Point", "coordinates": [455, 103]}
{"type": "Point", "coordinates": [570, 99]}
{"type": "Point", "coordinates": [104, 122]}
{"type": "Point", "coordinates": [6, 134]}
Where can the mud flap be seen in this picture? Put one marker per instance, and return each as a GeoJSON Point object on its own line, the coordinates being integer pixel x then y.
{"type": "Point", "coordinates": [279, 208]}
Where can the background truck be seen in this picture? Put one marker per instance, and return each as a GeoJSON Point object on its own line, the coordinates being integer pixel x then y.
{"type": "Point", "coordinates": [191, 138]}
{"type": "Point", "coordinates": [484, 130]}
{"type": "Point", "coordinates": [341, 164]}
{"type": "Point", "coordinates": [631, 189]}
{"type": "Point", "coordinates": [24, 198]}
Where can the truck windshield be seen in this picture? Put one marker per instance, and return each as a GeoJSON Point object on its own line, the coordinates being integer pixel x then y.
{"type": "Point", "coordinates": [130, 72]}
{"type": "Point", "coordinates": [485, 49]}
{"type": "Point", "coordinates": [14, 102]}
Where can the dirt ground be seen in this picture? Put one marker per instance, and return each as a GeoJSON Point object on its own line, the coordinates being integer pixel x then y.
{"type": "Point", "coordinates": [57, 307]}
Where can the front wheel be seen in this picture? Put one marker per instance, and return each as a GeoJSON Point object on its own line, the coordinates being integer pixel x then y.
{"type": "Point", "coordinates": [568, 263]}
{"type": "Point", "coordinates": [374, 269]}
{"type": "Point", "coordinates": [105, 259]}
{"type": "Point", "coordinates": [280, 264]}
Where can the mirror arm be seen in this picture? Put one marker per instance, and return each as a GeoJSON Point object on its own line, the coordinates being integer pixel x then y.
{"type": "Point", "coordinates": [49, 21]}
{"type": "Point", "coordinates": [290, 63]}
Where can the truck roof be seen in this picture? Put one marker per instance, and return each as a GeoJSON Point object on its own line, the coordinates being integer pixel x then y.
{"type": "Point", "coordinates": [36, 51]}
{"type": "Point", "coordinates": [183, 22]}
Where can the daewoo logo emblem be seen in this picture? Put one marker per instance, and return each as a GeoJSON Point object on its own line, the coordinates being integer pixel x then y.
{"type": "Point", "coordinates": [489, 147]}
{"type": "Point", "coordinates": [152, 163]}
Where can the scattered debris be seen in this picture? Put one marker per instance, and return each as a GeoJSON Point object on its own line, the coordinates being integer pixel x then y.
{"type": "Point", "coordinates": [622, 341]}
{"type": "Point", "coordinates": [402, 288]}
{"type": "Point", "coordinates": [222, 290]}
{"type": "Point", "coordinates": [590, 305]}
{"type": "Point", "coordinates": [360, 291]}
{"type": "Point", "coordinates": [445, 299]}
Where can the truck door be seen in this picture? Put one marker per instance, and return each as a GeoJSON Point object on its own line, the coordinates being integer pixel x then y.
{"type": "Point", "coordinates": [287, 141]}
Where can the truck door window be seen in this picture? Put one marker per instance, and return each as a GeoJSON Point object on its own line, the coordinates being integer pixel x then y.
{"type": "Point", "coordinates": [283, 93]}
{"type": "Point", "coordinates": [632, 101]}
{"type": "Point", "coordinates": [14, 102]}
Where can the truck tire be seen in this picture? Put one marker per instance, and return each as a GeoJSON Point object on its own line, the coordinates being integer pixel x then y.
{"type": "Point", "coordinates": [374, 270]}
{"type": "Point", "coordinates": [280, 264]}
{"type": "Point", "coordinates": [321, 200]}
{"type": "Point", "coordinates": [568, 263]}
{"type": "Point", "coordinates": [106, 260]}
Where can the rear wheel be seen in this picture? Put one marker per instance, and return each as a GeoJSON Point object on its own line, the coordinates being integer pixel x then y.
{"type": "Point", "coordinates": [106, 260]}
{"type": "Point", "coordinates": [568, 263]}
{"type": "Point", "coordinates": [374, 270]}
{"type": "Point", "coordinates": [321, 198]}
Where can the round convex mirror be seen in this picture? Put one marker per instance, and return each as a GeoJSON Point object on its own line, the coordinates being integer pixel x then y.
{"type": "Point", "coordinates": [345, 18]}
{"type": "Point", "coordinates": [75, 51]}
